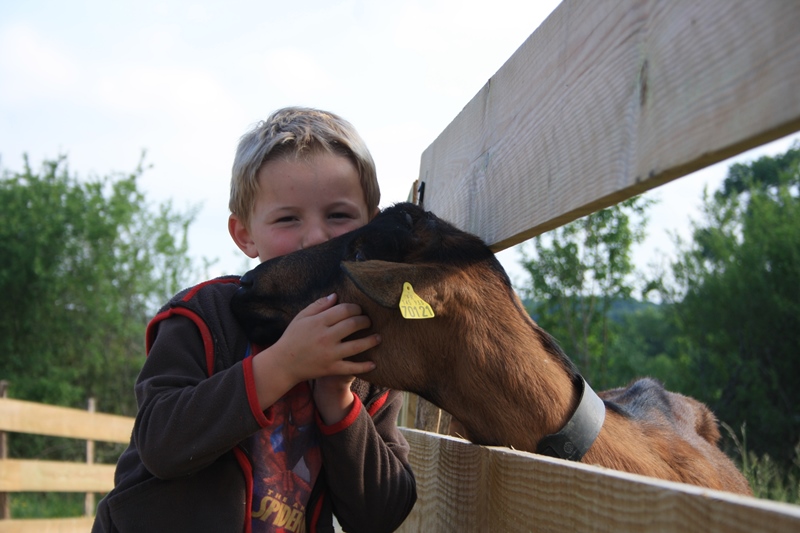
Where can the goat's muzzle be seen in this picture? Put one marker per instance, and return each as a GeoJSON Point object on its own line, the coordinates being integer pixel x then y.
{"type": "Point", "coordinates": [262, 321]}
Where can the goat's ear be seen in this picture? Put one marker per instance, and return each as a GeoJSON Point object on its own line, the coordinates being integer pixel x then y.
{"type": "Point", "coordinates": [382, 281]}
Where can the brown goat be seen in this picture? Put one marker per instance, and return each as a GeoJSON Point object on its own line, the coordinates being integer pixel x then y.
{"type": "Point", "coordinates": [481, 358]}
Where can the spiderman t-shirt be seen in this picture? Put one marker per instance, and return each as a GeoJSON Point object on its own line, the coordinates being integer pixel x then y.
{"type": "Point", "coordinates": [286, 462]}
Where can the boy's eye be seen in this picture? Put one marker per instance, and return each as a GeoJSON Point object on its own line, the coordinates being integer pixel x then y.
{"type": "Point", "coordinates": [286, 219]}
{"type": "Point", "coordinates": [340, 215]}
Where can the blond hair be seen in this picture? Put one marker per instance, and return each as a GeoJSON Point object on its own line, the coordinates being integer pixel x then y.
{"type": "Point", "coordinates": [297, 132]}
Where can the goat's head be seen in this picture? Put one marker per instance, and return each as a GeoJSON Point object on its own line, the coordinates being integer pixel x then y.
{"type": "Point", "coordinates": [369, 266]}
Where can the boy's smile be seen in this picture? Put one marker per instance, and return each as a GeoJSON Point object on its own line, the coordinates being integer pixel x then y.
{"type": "Point", "coordinates": [301, 202]}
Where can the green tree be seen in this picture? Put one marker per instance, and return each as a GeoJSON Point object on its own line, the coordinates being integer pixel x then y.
{"type": "Point", "coordinates": [645, 345]}
{"type": "Point", "coordinates": [738, 302]}
{"type": "Point", "coordinates": [83, 266]}
{"type": "Point", "coordinates": [577, 273]}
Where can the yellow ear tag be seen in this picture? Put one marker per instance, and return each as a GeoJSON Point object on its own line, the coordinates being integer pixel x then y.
{"type": "Point", "coordinates": [412, 306]}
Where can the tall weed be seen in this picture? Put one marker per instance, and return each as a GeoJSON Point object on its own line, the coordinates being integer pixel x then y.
{"type": "Point", "coordinates": [768, 478]}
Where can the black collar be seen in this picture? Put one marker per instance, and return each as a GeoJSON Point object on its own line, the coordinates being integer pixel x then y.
{"type": "Point", "coordinates": [580, 432]}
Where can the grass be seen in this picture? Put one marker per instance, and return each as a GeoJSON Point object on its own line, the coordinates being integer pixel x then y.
{"type": "Point", "coordinates": [769, 479]}
{"type": "Point", "coordinates": [47, 504]}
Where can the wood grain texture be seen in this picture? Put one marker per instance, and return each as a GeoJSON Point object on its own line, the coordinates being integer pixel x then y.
{"type": "Point", "coordinates": [47, 525]}
{"type": "Point", "coordinates": [29, 417]}
{"type": "Point", "coordinates": [608, 99]}
{"type": "Point", "coordinates": [24, 475]}
{"type": "Point", "coordinates": [464, 487]}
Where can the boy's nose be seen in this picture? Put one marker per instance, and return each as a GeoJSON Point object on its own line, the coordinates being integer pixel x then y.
{"type": "Point", "coordinates": [315, 235]}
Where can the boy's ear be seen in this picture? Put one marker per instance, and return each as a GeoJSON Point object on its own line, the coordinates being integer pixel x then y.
{"type": "Point", "coordinates": [241, 236]}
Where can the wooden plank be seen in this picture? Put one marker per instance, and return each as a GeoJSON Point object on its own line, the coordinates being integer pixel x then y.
{"type": "Point", "coordinates": [608, 99]}
{"type": "Point", "coordinates": [451, 481]}
{"type": "Point", "coordinates": [27, 475]}
{"type": "Point", "coordinates": [88, 502]}
{"type": "Point", "coordinates": [464, 487]}
{"type": "Point", "coordinates": [40, 419]}
{"type": "Point", "coordinates": [5, 504]}
{"type": "Point", "coordinates": [48, 525]}
{"type": "Point", "coordinates": [408, 412]}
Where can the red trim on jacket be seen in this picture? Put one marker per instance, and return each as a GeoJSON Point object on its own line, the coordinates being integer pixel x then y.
{"type": "Point", "coordinates": [247, 471]}
{"type": "Point", "coordinates": [264, 418]}
{"type": "Point", "coordinates": [316, 514]}
{"type": "Point", "coordinates": [205, 333]}
{"type": "Point", "coordinates": [191, 292]}
{"type": "Point", "coordinates": [377, 404]}
{"type": "Point", "coordinates": [345, 422]}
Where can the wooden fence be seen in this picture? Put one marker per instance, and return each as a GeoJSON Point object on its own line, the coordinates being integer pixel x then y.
{"type": "Point", "coordinates": [605, 100]}
{"type": "Point", "coordinates": [30, 475]}
{"type": "Point", "coordinates": [462, 486]}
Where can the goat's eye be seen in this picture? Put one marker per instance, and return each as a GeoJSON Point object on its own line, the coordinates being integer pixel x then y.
{"type": "Point", "coordinates": [360, 256]}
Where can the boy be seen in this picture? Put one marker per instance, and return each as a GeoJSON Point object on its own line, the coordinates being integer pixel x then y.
{"type": "Point", "coordinates": [232, 437]}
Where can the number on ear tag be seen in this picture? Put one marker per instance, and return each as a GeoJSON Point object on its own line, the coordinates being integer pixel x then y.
{"type": "Point", "coordinates": [412, 306]}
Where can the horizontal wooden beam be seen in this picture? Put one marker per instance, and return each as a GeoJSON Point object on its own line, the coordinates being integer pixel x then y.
{"type": "Point", "coordinates": [608, 99]}
{"type": "Point", "coordinates": [29, 417]}
{"type": "Point", "coordinates": [465, 487]}
{"type": "Point", "coordinates": [47, 525]}
{"type": "Point", "coordinates": [28, 475]}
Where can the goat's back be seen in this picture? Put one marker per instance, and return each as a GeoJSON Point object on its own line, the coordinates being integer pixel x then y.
{"type": "Point", "coordinates": [647, 400]}
{"type": "Point", "coordinates": [695, 457]}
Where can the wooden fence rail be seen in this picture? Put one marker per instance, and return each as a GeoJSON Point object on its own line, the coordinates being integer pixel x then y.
{"type": "Point", "coordinates": [461, 486]}
{"type": "Point", "coordinates": [608, 99]}
{"type": "Point", "coordinates": [31, 475]}
{"type": "Point", "coordinates": [465, 487]}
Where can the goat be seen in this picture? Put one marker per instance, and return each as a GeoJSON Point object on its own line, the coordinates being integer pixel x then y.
{"type": "Point", "coordinates": [481, 357]}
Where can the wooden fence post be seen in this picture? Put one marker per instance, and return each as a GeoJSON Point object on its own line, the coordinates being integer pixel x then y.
{"type": "Point", "coordinates": [5, 503]}
{"type": "Point", "coordinates": [88, 506]}
{"type": "Point", "coordinates": [431, 418]}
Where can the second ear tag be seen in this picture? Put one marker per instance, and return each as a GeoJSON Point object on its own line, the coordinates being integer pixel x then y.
{"type": "Point", "coordinates": [412, 306]}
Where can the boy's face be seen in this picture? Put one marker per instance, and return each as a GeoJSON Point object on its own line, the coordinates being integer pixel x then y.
{"type": "Point", "coordinates": [301, 203]}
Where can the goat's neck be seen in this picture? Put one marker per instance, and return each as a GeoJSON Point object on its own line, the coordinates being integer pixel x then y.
{"type": "Point", "coordinates": [515, 391]}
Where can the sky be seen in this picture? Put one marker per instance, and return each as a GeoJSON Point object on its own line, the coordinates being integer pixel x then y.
{"type": "Point", "coordinates": [104, 82]}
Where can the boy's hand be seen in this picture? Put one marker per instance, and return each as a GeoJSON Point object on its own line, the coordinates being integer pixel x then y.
{"type": "Point", "coordinates": [312, 347]}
